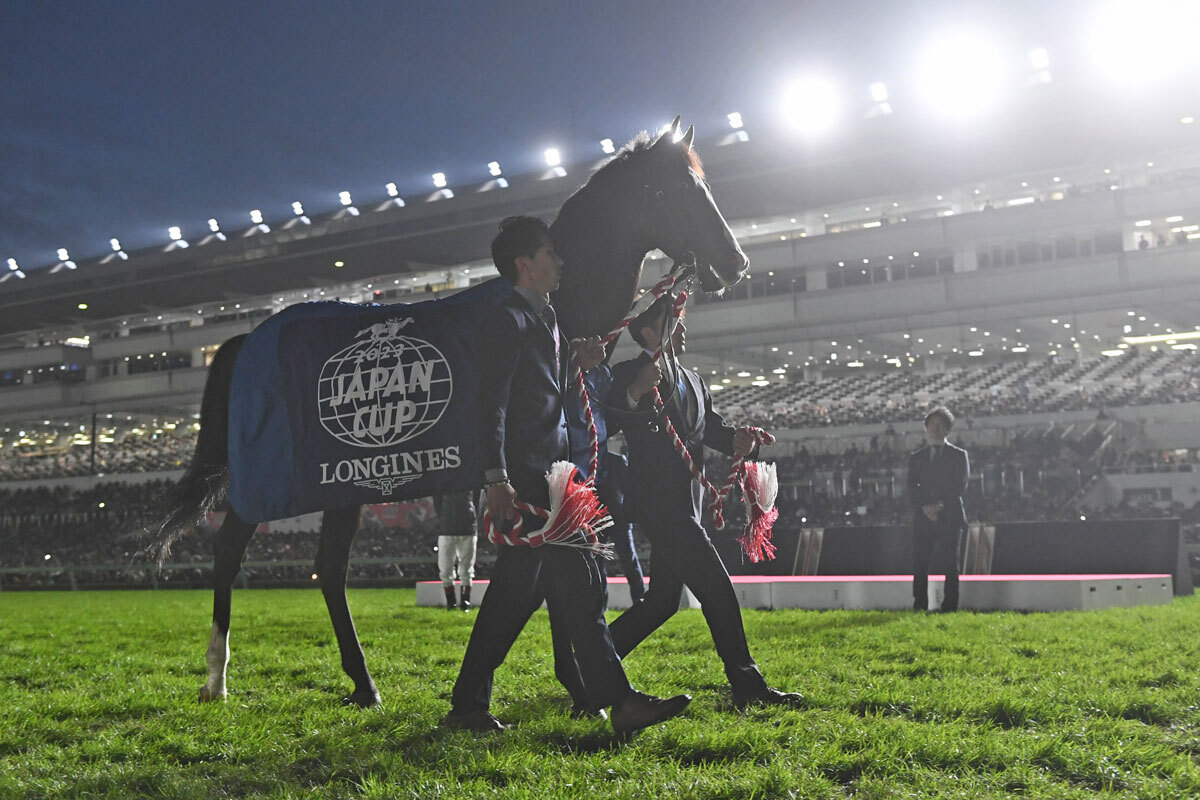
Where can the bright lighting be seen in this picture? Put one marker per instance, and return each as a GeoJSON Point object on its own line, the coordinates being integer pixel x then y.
{"type": "Point", "coordinates": [344, 198]}
{"type": "Point", "coordinates": [810, 105]}
{"type": "Point", "coordinates": [116, 245]}
{"type": "Point", "coordinates": [1039, 58]}
{"type": "Point", "coordinates": [12, 264]}
{"type": "Point", "coordinates": [879, 92]}
{"type": "Point", "coordinates": [975, 353]}
{"type": "Point", "coordinates": [174, 233]}
{"type": "Point", "coordinates": [213, 226]}
{"type": "Point", "coordinates": [1135, 46]}
{"type": "Point", "coordinates": [494, 168]}
{"type": "Point", "coordinates": [256, 217]}
{"type": "Point", "coordinates": [735, 120]}
{"type": "Point", "coordinates": [1187, 120]}
{"type": "Point", "coordinates": [553, 157]}
{"type": "Point", "coordinates": [607, 146]}
{"type": "Point", "coordinates": [1112, 353]}
{"type": "Point", "coordinates": [439, 180]}
{"type": "Point", "coordinates": [1161, 337]}
{"type": "Point", "coordinates": [298, 208]}
{"type": "Point", "coordinates": [1019, 349]}
{"type": "Point", "coordinates": [960, 74]}
{"type": "Point", "coordinates": [63, 255]}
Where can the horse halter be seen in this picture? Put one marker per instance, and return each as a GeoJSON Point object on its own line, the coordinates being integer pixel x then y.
{"type": "Point", "coordinates": [658, 199]}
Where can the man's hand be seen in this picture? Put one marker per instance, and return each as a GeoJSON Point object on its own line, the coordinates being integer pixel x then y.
{"type": "Point", "coordinates": [587, 352]}
{"type": "Point", "coordinates": [931, 511]}
{"type": "Point", "coordinates": [743, 444]}
{"type": "Point", "coordinates": [500, 504]}
{"type": "Point", "coordinates": [647, 378]}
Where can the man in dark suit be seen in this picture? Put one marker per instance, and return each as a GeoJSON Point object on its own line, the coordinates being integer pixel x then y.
{"type": "Point", "coordinates": [521, 397]}
{"type": "Point", "coordinates": [937, 479]}
{"type": "Point", "coordinates": [664, 498]}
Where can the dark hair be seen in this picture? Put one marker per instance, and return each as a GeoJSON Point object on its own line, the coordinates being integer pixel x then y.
{"type": "Point", "coordinates": [518, 236]}
{"type": "Point", "coordinates": [943, 412]}
{"type": "Point", "coordinates": [649, 318]}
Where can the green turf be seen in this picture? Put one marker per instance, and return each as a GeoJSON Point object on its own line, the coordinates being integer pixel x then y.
{"type": "Point", "coordinates": [98, 697]}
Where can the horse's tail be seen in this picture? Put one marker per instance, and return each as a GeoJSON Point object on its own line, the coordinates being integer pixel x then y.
{"type": "Point", "coordinates": [206, 481]}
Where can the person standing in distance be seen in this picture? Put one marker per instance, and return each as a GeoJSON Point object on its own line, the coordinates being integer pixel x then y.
{"type": "Point", "coordinates": [456, 543]}
{"type": "Point", "coordinates": [937, 480]}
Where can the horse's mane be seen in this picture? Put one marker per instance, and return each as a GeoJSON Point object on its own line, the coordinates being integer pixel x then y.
{"type": "Point", "coordinates": [617, 167]}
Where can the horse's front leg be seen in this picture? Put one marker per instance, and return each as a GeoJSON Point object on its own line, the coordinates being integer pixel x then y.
{"type": "Point", "coordinates": [229, 547]}
{"type": "Point", "coordinates": [338, 529]}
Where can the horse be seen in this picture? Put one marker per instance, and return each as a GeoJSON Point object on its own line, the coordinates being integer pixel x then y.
{"type": "Point", "coordinates": [651, 194]}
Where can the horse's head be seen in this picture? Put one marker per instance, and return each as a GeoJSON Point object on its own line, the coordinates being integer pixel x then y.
{"type": "Point", "coordinates": [680, 215]}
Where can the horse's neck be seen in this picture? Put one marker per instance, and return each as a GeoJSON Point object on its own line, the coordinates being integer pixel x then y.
{"type": "Point", "coordinates": [603, 252]}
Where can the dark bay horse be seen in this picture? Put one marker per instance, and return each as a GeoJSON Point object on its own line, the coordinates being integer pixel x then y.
{"type": "Point", "coordinates": [651, 194]}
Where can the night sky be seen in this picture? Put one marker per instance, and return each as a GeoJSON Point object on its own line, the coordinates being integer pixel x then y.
{"type": "Point", "coordinates": [121, 118]}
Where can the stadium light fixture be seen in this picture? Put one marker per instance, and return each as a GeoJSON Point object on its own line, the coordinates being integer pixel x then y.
{"type": "Point", "coordinates": [1187, 120]}
{"type": "Point", "coordinates": [344, 198]}
{"type": "Point", "coordinates": [735, 120]}
{"type": "Point", "coordinates": [115, 244]}
{"type": "Point", "coordinates": [1161, 337]}
{"type": "Point", "coordinates": [553, 157]}
{"type": "Point", "coordinates": [256, 216]}
{"type": "Point", "coordinates": [392, 190]}
{"type": "Point", "coordinates": [960, 74]}
{"type": "Point", "coordinates": [14, 270]}
{"type": "Point", "coordinates": [63, 255]}
{"type": "Point", "coordinates": [298, 208]}
{"type": "Point", "coordinates": [214, 226]}
{"type": "Point", "coordinates": [607, 146]}
{"type": "Point", "coordinates": [879, 92]}
{"type": "Point", "coordinates": [494, 169]}
{"type": "Point", "coordinates": [1136, 44]}
{"type": "Point", "coordinates": [439, 180]}
{"type": "Point", "coordinates": [810, 105]}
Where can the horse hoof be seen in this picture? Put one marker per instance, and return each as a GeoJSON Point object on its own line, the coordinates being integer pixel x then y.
{"type": "Point", "coordinates": [368, 699]}
{"type": "Point", "coordinates": [209, 696]}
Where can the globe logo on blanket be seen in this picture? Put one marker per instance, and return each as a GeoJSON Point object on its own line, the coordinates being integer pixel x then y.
{"type": "Point", "coordinates": [385, 389]}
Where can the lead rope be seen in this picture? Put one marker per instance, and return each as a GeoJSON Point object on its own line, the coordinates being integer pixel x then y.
{"type": "Point", "coordinates": [759, 482]}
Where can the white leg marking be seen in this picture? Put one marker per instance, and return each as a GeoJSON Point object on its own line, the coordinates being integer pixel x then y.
{"type": "Point", "coordinates": [218, 658]}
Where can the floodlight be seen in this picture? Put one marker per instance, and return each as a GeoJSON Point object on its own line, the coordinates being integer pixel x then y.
{"type": "Point", "coordinates": [1039, 58]}
{"type": "Point", "coordinates": [879, 92]}
{"type": "Point", "coordinates": [12, 264]}
{"type": "Point", "coordinates": [960, 74]}
{"type": "Point", "coordinates": [256, 217]}
{"type": "Point", "coordinates": [116, 245]}
{"type": "Point", "coordinates": [63, 255]}
{"type": "Point", "coordinates": [502, 183]}
{"type": "Point", "coordinates": [344, 198]}
{"type": "Point", "coordinates": [392, 191]}
{"type": "Point", "coordinates": [607, 146]}
{"type": "Point", "coordinates": [810, 105]}
{"type": "Point", "coordinates": [553, 157]}
{"type": "Point", "coordinates": [213, 226]}
{"type": "Point", "coordinates": [439, 180]}
{"type": "Point", "coordinates": [1136, 44]}
{"type": "Point", "coordinates": [298, 208]}
{"type": "Point", "coordinates": [494, 168]}
{"type": "Point", "coordinates": [172, 231]}
{"type": "Point", "coordinates": [735, 120]}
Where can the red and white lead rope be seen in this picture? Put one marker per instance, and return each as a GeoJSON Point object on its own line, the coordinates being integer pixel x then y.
{"type": "Point", "coordinates": [575, 517]}
{"type": "Point", "coordinates": [759, 482]}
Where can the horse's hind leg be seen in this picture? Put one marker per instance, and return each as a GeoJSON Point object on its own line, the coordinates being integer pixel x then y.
{"type": "Point", "coordinates": [228, 549]}
{"type": "Point", "coordinates": [338, 529]}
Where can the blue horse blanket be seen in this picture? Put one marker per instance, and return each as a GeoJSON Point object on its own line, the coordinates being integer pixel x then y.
{"type": "Point", "coordinates": [334, 404]}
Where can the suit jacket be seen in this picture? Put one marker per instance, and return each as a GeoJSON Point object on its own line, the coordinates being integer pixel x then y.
{"type": "Point", "coordinates": [942, 478]}
{"type": "Point", "coordinates": [521, 398]}
{"type": "Point", "coordinates": [659, 480]}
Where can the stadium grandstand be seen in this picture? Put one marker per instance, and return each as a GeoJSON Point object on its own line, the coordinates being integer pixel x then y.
{"type": "Point", "coordinates": [1040, 282]}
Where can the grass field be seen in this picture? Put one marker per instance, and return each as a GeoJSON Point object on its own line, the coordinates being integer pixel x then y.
{"type": "Point", "coordinates": [98, 698]}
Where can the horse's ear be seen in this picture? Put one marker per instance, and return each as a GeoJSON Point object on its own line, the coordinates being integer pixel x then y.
{"type": "Point", "coordinates": [671, 134]}
{"type": "Point", "coordinates": [687, 137]}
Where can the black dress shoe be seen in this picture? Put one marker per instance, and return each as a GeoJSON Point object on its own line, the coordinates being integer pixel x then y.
{"type": "Point", "coordinates": [639, 710]}
{"type": "Point", "coordinates": [476, 720]}
{"type": "Point", "coordinates": [583, 712]}
{"type": "Point", "coordinates": [769, 697]}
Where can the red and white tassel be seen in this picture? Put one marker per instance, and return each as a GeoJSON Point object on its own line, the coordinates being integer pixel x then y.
{"type": "Point", "coordinates": [760, 486]}
{"type": "Point", "coordinates": [574, 519]}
